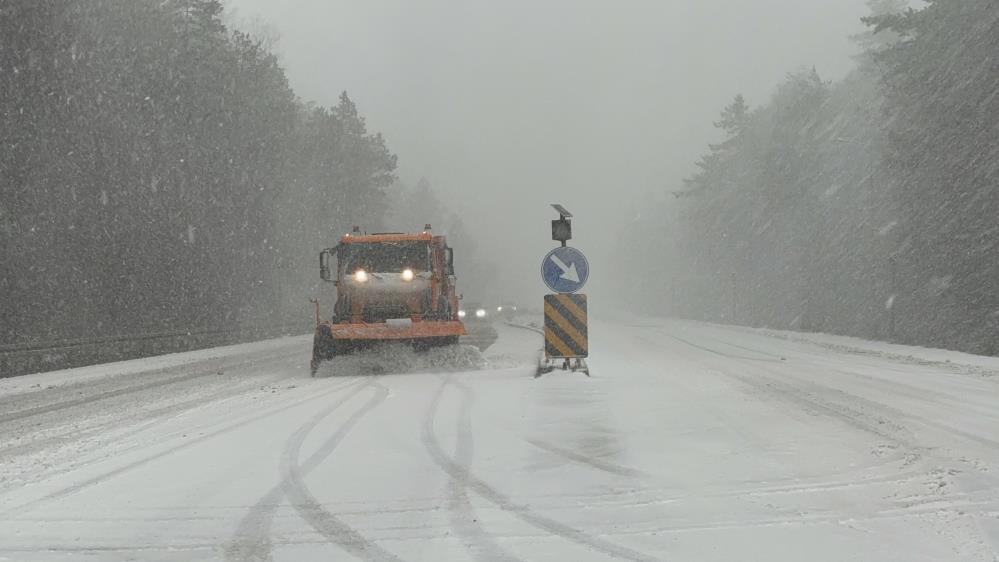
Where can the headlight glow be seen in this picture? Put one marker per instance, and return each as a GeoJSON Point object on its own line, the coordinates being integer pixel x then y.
{"type": "Point", "coordinates": [480, 313]}
{"type": "Point", "coordinates": [360, 276]}
{"type": "Point", "coordinates": [461, 314]}
{"type": "Point", "coordinates": [407, 275]}
{"type": "Point", "coordinates": [499, 309]}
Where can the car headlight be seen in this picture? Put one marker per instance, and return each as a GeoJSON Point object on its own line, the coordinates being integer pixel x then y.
{"type": "Point", "coordinates": [461, 314]}
{"type": "Point", "coordinates": [360, 276]}
{"type": "Point", "coordinates": [499, 309]}
{"type": "Point", "coordinates": [407, 275]}
{"type": "Point", "coordinates": [480, 313]}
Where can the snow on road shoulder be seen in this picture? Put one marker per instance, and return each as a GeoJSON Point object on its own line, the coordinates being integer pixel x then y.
{"type": "Point", "coordinates": [65, 377]}
{"type": "Point", "coordinates": [957, 361]}
{"type": "Point", "coordinates": [969, 363]}
{"type": "Point", "coordinates": [516, 347]}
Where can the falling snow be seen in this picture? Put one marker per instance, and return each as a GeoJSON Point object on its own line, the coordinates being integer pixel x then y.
{"type": "Point", "coordinates": [790, 208]}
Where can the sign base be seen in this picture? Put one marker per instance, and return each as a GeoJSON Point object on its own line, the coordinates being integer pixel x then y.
{"type": "Point", "coordinates": [547, 365]}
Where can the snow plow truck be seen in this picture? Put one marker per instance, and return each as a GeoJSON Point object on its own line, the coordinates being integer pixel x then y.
{"type": "Point", "coordinates": [391, 287]}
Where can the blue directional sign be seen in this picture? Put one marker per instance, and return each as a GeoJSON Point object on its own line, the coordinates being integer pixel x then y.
{"type": "Point", "coordinates": [565, 270]}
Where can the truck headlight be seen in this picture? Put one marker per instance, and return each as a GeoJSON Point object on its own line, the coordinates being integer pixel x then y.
{"type": "Point", "coordinates": [461, 314]}
{"type": "Point", "coordinates": [407, 275]}
{"type": "Point", "coordinates": [360, 276]}
{"type": "Point", "coordinates": [480, 313]}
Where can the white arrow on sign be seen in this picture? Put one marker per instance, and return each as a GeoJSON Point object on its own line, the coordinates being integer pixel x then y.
{"type": "Point", "coordinates": [569, 272]}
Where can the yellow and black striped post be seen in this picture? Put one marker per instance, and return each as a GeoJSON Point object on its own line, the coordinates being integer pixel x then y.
{"type": "Point", "coordinates": [565, 327]}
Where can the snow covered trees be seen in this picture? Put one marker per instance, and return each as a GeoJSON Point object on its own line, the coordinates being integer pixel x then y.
{"type": "Point", "coordinates": [942, 155]}
{"type": "Point", "coordinates": [147, 155]}
{"type": "Point", "coordinates": [865, 207]}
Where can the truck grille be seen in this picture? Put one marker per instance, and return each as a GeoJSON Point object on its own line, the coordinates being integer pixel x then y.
{"type": "Point", "coordinates": [384, 312]}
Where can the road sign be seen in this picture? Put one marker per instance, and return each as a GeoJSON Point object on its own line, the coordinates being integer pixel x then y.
{"type": "Point", "coordinates": [565, 327]}
{"type": "Point", "coordinates": [565, 270]}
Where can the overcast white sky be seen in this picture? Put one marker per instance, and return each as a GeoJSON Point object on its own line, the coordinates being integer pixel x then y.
{"type": "Point", "coordinates": [508, 105]}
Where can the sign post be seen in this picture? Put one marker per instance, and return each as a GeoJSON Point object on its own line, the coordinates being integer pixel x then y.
{"type": "Point", "coordinates": [565, 271]}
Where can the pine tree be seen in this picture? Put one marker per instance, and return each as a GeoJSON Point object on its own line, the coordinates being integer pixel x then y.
{"type": "Point", "coordinates": [879, 38]}
{"type": "Point", "coordinates": [943, 131]}
{"type": "Point", "coordinates": [165, 170]}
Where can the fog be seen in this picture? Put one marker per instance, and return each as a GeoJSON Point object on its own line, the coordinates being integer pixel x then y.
{"type": "Point", "coordinates": [506, 107]}
{"type": "Point", "coordinates": [175, 167]}
{"type": "Point", "coordinates": [789, 208]}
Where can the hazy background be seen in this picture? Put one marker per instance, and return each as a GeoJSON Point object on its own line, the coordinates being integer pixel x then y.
{"type": "Point", "coordinates": [509, 106]}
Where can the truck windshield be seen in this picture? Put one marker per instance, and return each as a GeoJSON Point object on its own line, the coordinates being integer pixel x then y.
{"type": "Point", "coordinates": [385, 257]}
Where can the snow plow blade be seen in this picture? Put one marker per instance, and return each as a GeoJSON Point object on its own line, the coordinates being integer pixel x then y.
{"type": "Point", "coordinates": [332, 340]}
{"type": "Point", "coordinates": [401, 331]}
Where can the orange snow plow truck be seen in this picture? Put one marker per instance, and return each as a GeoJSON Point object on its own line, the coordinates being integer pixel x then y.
{"type": "Point", "coordinates": [390, 287]}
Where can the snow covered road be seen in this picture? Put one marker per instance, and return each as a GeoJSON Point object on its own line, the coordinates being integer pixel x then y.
{"type": "Point", "coordinates": [690, 442]}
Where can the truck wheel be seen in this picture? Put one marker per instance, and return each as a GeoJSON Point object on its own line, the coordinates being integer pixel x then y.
{"type": "Point", "coordinates": [322, 348]}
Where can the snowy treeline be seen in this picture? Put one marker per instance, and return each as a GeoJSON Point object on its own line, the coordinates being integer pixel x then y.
{"type": "Point", "coordinates": [867, 207]}
{"type": "Point", "coordinates": [157, 172]}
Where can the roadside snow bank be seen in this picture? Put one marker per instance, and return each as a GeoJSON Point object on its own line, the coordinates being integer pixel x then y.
{"type": "Point", "coordinates": [78, 375]}
{"type": "Point", "coordinates": [967, 363]}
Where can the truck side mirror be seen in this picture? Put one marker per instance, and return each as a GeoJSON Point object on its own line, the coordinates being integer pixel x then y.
{"type": "Point", "coordinates": [324, 265]}
{"type": "Point", "coordinates": [449, 259]}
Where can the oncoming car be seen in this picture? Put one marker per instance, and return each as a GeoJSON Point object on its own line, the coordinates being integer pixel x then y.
{"type": "Point", "coordinates": [473, 311]}
{"type": "Point", "coordinates": [506, 309]}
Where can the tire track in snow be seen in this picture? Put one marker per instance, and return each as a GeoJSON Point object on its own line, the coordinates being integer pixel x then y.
{"type": "Point", "coordinates": [295, 489]}
{"type": "Point", "coordinates": [764, 382]}
{"type": "Point", "coordinates": [866, 415]}
{"type": "Point", "coordinates": [252, 538]}
{"type": "Point", "coordinates": [460, 509]}
{"type": "Point", "coordinates": [958, 508]}
{"type": "Point", "coordinates": [131, 389]}
{"type": "Point", "coordinates": [463, 475]}
{"type": "Point", "coordinates": [96, 480]}
{"type": "Point", "coordinates": [911, 392]}
{"type": "Point", "coordinates": [769, 359]}
{"type": "Point", "coordinates": [763, 386]}
{"type": "Point", "coordinates": [891, 386]}
{"type": "Point", "coordinates": [855, 407]}
{"type": "Point", "coordinates": [894, 386]}
{"type": "Point", "coordinates": [580, 458]}
{"type": "Point", "coordinates": [150, 418]}
{"type": "Point", "coordinates": [846, 348]}
{"type": "Point", "coordinates": [813, 519]}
